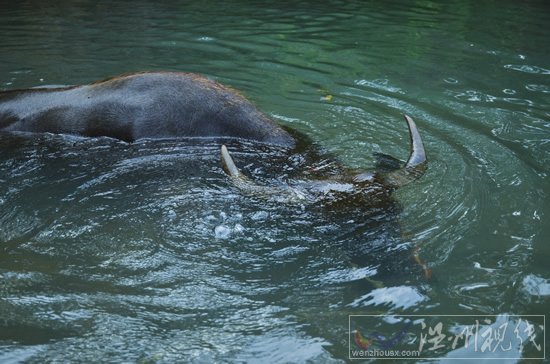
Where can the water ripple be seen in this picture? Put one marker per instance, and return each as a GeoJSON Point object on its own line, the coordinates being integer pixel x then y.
{"type": "Point", "coordinates": [142, 252]}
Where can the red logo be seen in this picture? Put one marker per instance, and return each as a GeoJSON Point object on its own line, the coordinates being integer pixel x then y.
{"type": "Point", "coordinates": [362, 342]}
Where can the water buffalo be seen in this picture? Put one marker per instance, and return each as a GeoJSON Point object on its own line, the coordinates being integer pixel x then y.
{"type": "Point", "coordinates": [172, 105]}
{"type": "Point", "coordinates": [140, 105]}
{"type": "Point", "coordinates": [184, 105]}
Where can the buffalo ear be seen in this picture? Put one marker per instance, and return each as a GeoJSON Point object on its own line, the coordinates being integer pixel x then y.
{"type": "Point", "coordinates": [386, 163]}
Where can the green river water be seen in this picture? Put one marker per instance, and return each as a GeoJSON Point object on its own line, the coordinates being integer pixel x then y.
{"type": "Point", "coordinates": [145, 252]}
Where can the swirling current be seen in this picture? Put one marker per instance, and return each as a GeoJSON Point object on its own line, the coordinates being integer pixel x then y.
{"type": "Point", "coordinates": [147, 252]}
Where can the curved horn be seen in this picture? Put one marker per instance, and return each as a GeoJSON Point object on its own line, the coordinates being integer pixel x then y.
{"type": "Point", "coordinates": [414, 168]}
{"type": "Point", "coordinates": [418, 155]}
{"type": "Point", "coordinates": [241, 181]}
{"type": "Point", "coordinates": [416, 164]}
{"type": "Point", "coordinates": [229, 165]}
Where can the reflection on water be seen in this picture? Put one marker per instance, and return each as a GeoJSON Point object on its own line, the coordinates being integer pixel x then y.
{"type": "Point", "coordinates": [147, 251]}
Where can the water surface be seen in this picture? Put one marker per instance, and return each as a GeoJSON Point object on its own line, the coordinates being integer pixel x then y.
{"type": "Point", "coordinates": [147, 252]}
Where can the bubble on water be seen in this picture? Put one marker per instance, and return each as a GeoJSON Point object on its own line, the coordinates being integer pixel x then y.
{"type": "Point", "coordinates": [210, 218]}
{"type": "Point", "coordinates": [171, 214]}
{"type": "Point", "coordinates": [222, 232]}
{"type": "Point", "coordinates": [259, 215]}
{"type": "Point", "coordinates": [238, 228]}
{"type": "Point", "coordinates": [509, 91]}
{"type": "Point", "coordinates": [516, 213]}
